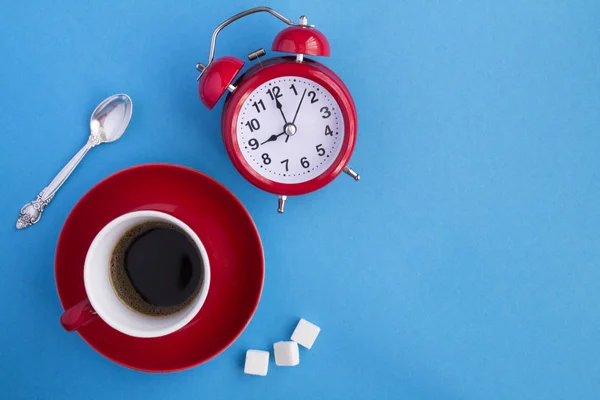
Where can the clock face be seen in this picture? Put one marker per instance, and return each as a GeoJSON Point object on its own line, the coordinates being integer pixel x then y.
{"type": "Point", "coordinates": [290, 129]}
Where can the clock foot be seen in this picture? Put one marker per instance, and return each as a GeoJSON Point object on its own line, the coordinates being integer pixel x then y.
{"type": "Point", "coordinates": [352, 173]}
{"type": "Point", "coordinates": [231, 88]}
{"type": "Point", "coordinates": [281, 204]}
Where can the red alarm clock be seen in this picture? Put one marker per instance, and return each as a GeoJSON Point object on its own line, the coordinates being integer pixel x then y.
{"type": "Point", "coordinates": [289, 123]}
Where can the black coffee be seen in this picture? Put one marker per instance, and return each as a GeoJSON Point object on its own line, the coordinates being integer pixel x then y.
{"type": "Point", "coordinates": [156, 269]}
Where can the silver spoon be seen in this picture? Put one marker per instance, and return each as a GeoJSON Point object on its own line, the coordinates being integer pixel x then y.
{"type": "Point", "coordinates": [107, 123]}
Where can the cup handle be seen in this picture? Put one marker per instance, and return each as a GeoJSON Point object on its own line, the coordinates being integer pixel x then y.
{"type": "Point", "coordinates": [77, 316]}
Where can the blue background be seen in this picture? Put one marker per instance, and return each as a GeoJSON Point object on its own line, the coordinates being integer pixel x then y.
{"type": "Point", "coordinates": [463, 265]}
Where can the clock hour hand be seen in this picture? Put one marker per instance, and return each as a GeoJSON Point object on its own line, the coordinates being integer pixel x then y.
{"type": "Point", "coordinates": [279, 107]}
{"type": "Point", "coordinates": [272, 138]}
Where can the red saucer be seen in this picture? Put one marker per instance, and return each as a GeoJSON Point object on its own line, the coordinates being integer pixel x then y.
{"type": "Point", "coordinates": [226, 230]}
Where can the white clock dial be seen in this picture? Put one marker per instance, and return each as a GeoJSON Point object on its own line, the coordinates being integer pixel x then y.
{"type": "Point", "coordinates": [290, 129]}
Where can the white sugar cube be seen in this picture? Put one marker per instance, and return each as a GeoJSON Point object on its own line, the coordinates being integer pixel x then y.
{"type": "Point", "coordinates": [286, 354]}
{"type": "Point", "coordinates": [257, 362]}
{"type": "Point", "coordinates": [305, 333]}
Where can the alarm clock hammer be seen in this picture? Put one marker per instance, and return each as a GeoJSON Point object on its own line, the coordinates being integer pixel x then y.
{"type": "Point", "coordinates": [261, 100]}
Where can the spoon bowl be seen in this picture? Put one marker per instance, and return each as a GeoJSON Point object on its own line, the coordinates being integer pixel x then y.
{"type": "Point", "coordinates": [111, 117]}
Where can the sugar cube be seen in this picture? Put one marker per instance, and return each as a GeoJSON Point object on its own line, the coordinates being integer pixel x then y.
{"type": "Point", "coordinates": [286, 354]}
{"type": "Point", "coordinates": [257, 362]}
{"type": "Point", "coordinates": [305, 333]}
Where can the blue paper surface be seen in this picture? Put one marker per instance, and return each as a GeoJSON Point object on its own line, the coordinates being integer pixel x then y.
{"type": "Point", "coordinates": [463, 265]}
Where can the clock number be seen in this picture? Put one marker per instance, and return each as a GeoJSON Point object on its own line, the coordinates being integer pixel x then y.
{"type": "Point", "coordinates": [304, 162]}
{"type": "Point", "coordinates": [256, 105]}
{"type": "Point", "coordinates": [326, 112]}
{"type": "Point", "coordinates": [266, 159]}
{"type": "Point", "coordinates": [313, 96]}
{"type": "Point", "coordinates": [253, 125]}
{"type": "Point", "coordinates": [286, 164]}
{"type": "Point", "coordinates": [274, 93]}
{"type": "Point", "coordinates": [253, 144]}
{"type": "Point", "coordinates": [328, 131]}
{"type": "Point", "coordinates": [320, 150]}
{"type": "Point", "coordinates": [294, 89]}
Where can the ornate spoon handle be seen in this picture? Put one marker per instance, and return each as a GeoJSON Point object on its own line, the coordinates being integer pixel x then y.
{"type": "Point", "coordinates": [32, 211]}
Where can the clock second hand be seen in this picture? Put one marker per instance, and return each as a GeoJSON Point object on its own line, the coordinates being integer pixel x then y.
{"type": "Point", "coordinates": [298, 109]}
{"type": "Point", "coordinates": [296, 114]}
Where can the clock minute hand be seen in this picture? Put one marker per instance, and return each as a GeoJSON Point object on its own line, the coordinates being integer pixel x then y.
{"type": "Point", "coordinates": [280, 108]}
{"type": "Point", "coordinates": [298, 109]}
{"type": "Point", "coordinates": [272, 138]}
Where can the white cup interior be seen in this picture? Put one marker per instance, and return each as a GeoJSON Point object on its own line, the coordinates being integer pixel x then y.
{"type": "Point", "coordinates": [102, 296]}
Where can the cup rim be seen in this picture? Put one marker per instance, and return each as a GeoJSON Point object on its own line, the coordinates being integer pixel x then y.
{"type": "Point", "coordinates": [191, 310]}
